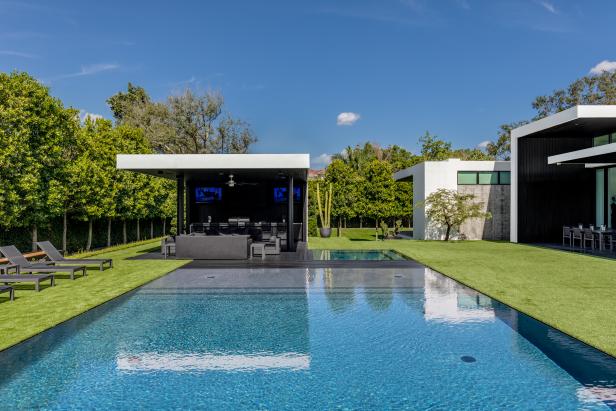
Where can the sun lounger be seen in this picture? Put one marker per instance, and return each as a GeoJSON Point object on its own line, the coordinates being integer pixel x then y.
{"type": "Point", "coordinates": [8, 289]}
{"type": "Point", "coordinates": [16, 257]}
{"type": "Point", "coordinates": [30, 278]}
{"type": "Point", "coordinates": [57, 257]}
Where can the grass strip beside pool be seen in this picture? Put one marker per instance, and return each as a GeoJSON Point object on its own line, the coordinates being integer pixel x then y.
{"type": "Point", "coordinates": [571, 292]}
{"type": "Point", "coordinates": [32, 312]}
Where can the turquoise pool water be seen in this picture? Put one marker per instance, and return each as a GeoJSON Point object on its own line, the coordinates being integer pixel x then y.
{"type": "Point", "coordinates": [305, 339]}
{"type": "Point", "coordinates": [357, 255]}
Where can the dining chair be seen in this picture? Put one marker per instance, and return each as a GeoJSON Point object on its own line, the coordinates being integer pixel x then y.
{"type": "Point", "coordinates": [588, 236]}
{"type": "Point", "coordinates": [576, 234]}
{"type": "Point", "coordinates": [567, 235]}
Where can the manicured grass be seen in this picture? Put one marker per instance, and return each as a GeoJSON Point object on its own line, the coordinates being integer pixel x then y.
{"type": "Point", "coordinates": [572, 292]}
{"type": "Point", "coordinates": [33, 312]}
{"type": "Point", "coordinates": [360, 233]}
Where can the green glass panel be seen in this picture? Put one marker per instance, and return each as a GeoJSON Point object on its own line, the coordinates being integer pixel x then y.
{"type": "Point", "coordinates": [488, 177]}
{"type": "Point", "coordinates": [467, 177]}
{"type": "Point", "coordinates": [601, 140]}
{"type": "Point", "coordinates": [505, 177]}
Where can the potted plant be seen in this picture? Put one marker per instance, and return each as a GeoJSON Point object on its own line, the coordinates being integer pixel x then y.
{"type": "Point", "coordinates": [325, 211]}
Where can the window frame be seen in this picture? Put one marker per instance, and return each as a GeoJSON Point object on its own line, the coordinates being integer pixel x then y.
{"type": "Point", "coordinates": [499, 178]}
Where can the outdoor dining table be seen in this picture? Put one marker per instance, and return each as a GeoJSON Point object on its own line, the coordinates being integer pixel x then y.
{"type": "Point", "coordinates": [601, 233]}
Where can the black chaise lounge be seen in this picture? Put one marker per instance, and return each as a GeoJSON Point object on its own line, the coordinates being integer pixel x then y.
{"type": "Point", "coordinates": [28, 278]}
{"type": "Point", "coordinates": [8, 289]}
{"type": "Point", "coordinates": [57, 257]}
{"type": "Point", "coordinates": [16, 257]}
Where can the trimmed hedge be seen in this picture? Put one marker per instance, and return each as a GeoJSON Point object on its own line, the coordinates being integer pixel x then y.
{"type": "Point", "coordinates": [77, 235]}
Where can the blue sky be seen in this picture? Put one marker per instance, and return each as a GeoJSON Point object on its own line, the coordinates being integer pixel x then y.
{"type": "Point", "coordinates": [458, 68]}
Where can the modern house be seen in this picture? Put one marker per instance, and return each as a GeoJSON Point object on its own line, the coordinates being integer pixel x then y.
{"type": "Point", "coordinates": [563, 172]}
{"type": "Point", "coordinates": [488, 181]}
{"type": "Point", "coordinates": [227, 201]}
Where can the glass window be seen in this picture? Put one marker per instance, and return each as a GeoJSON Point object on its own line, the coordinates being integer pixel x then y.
{"type": "Point", "coordinates": [488, 177]}
{"type": "Point", "coordinates": [601, 140]}
{"type": "Point", "coordinates": [611, 197]}
{"type": "Point", "coordinates": [505, 177]}
{"type": "Point", "coordinates": [467, 177]}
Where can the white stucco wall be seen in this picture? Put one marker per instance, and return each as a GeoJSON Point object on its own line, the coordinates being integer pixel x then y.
{"type": "Point", "coordinates": [430, 176]}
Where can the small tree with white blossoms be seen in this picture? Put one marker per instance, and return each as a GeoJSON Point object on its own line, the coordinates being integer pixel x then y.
{"type": "Point", "coordinates": [449, 209]}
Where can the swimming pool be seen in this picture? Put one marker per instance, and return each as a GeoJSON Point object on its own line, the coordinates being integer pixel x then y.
{"type": "Point", "coordinates": [357, 255]}
{"type": "Point", "coordinates": [300, 338]}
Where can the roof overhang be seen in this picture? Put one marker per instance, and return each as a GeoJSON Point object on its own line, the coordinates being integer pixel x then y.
{"type": "Point", "coordinates": [599, 155]}
{"type": "Point", "coordinates": [172, 165]}
{"type": "Point", "coordinates": [578, 120]}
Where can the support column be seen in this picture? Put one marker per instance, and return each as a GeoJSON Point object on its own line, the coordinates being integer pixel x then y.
{"type": "Point", "coordinates": [187, 217]}
{"type": "Point", "coordinates": [290, 219]}
{"type": "Point", "coordinates": [180, 204]}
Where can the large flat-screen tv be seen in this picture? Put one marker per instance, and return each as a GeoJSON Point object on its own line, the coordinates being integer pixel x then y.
{"type": "Point", "coordinates": [208, 195]}
{"type": "Point", "coordinates": [280, 194]}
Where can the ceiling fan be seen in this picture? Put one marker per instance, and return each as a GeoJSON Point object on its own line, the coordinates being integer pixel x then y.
{"type": "Point", "coordinates": [232, 183]}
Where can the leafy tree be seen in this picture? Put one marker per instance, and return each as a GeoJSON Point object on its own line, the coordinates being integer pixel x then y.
{"type": "Point", "coordinates": [501, 148]}
{"type": "Point", "coordinates": [379, 191]}
{"type": "Point", "coordinates": [185, 123]}
{"type": "Point", "coordinates": [593, 89]}
{"type": "Point", "coordinates": [346, 185]}
{"type": "Point", "coordinates": [399, 158]}
{"type": "Point", "coordinates": [471, 154]}
{"type": "Point", "coordinates": [123, 103]}
{"type": "Point", "coordinates": [131, 188]}
{"type": "Point", "coordinates": [433, 148]}
{"type": "Point", "coordinates": [36, 131]}
{"type": "Point", "coordinates": [450, 209]}
{"type": "Point", "coordinates": [91, 174]}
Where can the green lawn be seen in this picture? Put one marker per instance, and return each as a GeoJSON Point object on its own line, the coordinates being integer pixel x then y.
{"type": "Point", "coordinates": [33, 312]}
{"type": "Point", "coordinates": [571, 292]}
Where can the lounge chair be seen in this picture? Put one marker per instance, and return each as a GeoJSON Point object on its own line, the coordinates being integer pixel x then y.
{"type": "Point", "coordinates": [28, 278]}
{"type": "Point", "coordinates": [15, 257]}
{"type": "Point", "coordinates": [8, 289]}
{"type": "Point", "coordinates": [56, 257]}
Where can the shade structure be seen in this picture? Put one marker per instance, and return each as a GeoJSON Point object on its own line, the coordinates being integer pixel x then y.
{"type": "Point", "coordinates": [216, 188]}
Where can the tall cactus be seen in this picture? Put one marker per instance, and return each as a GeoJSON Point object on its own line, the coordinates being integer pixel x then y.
{"type": "Point", "coordinates": [325, 207]}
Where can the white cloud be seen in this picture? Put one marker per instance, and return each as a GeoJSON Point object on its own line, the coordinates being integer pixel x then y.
{"type": "Point", "coordinates": [347, 119]}
{"type": "Point", "coordinates": [548, 6]}
{"type": "Point", "coordinates": [84, 115]}
{"type": "Point", "coordinates": [605, 65]}
{"type": "Point", "coordinates": [484, 144]}
{"type": "Point", "coordinates": [17, 54]}
{"type": "Point", "coordinates": [321, 161]}
{"type": "Point", "coordinates": [92, 69]}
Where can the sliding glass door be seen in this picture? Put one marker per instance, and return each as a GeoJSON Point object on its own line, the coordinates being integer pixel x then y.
{"type": "Point", "coordinates": [605, 197]}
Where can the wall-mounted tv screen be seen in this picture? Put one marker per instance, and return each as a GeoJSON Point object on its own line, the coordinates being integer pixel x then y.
{"type": "Point", "coordinates": [280, 194]}
{"type": "Point", "coordinates": [208, 194]}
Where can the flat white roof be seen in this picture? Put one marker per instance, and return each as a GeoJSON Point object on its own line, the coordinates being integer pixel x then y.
{"type": "Point", "coordinates": [566, 116]}
{"type": "Point", "coordinates": [173, 162]}
{"type": "Point", "coordinates": [455, 165]}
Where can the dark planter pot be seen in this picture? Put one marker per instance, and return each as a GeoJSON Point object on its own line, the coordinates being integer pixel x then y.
{"type": "Point", "coordinates": [326, 232]}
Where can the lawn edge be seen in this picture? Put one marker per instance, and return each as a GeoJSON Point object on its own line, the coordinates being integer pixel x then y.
{"type": "Point", "coordinates": [8, 347]}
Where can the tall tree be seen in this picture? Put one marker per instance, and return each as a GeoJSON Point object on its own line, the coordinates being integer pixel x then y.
{"type": "Point", "coordinates": [501, 148]}
{"type": "Point", "coordinates": [346, 187]}
{"type": "Point", "coordinates": [184, 123]}
{"type": "Point", "coordinates": [592, 89]}
{"type": "Point", "coordinates": [122, 103]}
{"type": "Point", "coordinates": [35, 132]}
{"type": "Point", "coordinates": [378, 191]}
{"type": "Point", "coordinates": [433, 148]}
